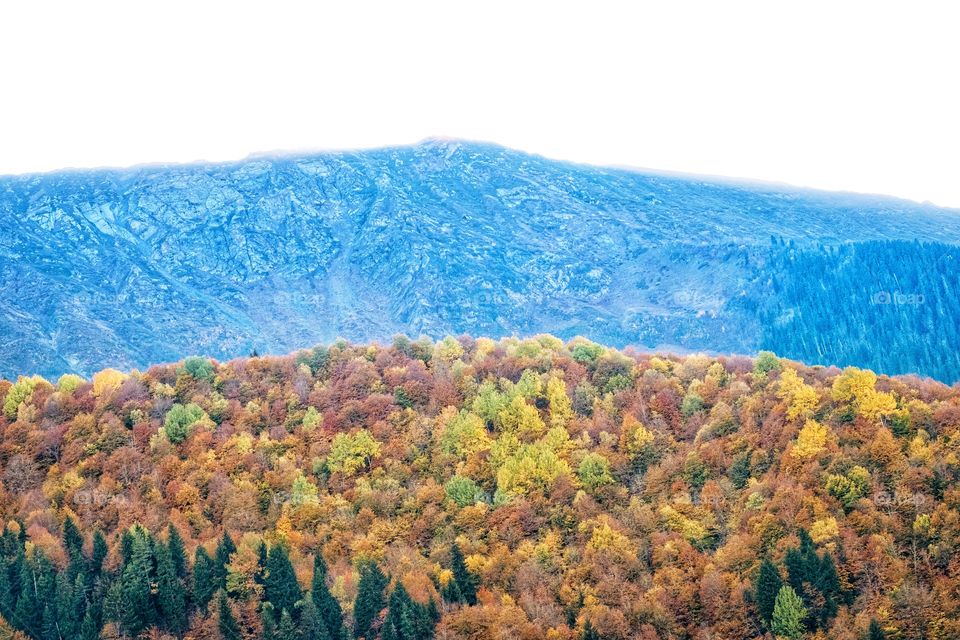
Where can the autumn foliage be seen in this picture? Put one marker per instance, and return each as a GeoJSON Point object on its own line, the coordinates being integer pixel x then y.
{"type": "Point", "coordinates": [472, 489]}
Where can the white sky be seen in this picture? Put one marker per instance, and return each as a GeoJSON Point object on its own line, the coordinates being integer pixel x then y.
{"type": "Point", "coordinates": [862, 96]}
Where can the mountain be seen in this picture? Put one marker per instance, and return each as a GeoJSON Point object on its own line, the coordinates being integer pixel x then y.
{"type": "Point", "coordinates": [524, 489]}
{"type": "Point", "coordinates": [130, 267]}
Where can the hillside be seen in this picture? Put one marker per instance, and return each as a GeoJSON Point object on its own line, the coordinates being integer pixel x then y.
{"type": "Point", "coordinates": [473, 489]}
{"type": "Point", "coordinates": [129, 267]}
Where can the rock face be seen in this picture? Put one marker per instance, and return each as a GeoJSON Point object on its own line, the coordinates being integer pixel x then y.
{"type": "Point", "coordinates": [130, 267]}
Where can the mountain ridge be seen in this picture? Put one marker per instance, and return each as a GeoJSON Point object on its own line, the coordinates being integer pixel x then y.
{"type": "Point", "coordinates": [127, 267]}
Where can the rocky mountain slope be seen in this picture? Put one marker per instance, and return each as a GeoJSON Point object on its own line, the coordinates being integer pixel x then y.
{"type": "Point", "coordinates": [130, 267]}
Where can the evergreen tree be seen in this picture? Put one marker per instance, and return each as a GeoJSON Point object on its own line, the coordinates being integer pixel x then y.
{"type": "Point", "coordinates": [466, 582]}
{"type": "Point", "coordinates": [204, 583]}
{"type": "Point", "coordinates": [589, 633]}
{"type": "Point", "coordinates": [406, 619]}
{"type": "Point", "coordinates": [331, 615]}
{"type": "Point", "coordinates": [89, 628]}
{"type": "Point", "coordinates": [261, 563]}
{"type": "Point", "coordinates": [97, 557]}
{"type": "Point", "coordinates": [280, 587]}
{"type": "Point", "coordinates": [50, 630]}
{"type": "Point", "coordinates": [221, 558]}
{"type": "Point", "coordinates": [170, 597]}
{"type": "Point", "coordinates": [73, 543]}
{"type": "Point", "coordinates": [370, 599]}
{"type": "Point", "coordinates": [7, 595]}
{"type": "Point", "coordinates": [311, 626]}
{"type": "Point", "coordinates": [136, 584]}
{"type": "Point", "coordinates": [28, 611]}
{"type": "Point", "coordinates": [178, 554]}
{"type": "Point", "coordinates": [875, 632]}
{"type": "Point", "coordinates": [788, 614]}
{"type": "Point", "coordinates": [226, 623]}
{"type": "Point", "coordinates": [286, 630]}
{"type": "Point", "coordinates": [268, 622]}
{"type": "Point", "coordinates": [766, 588]}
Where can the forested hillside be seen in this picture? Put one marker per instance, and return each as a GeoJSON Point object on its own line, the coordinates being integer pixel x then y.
{"type": "Point", "coordinates": [472, 489]}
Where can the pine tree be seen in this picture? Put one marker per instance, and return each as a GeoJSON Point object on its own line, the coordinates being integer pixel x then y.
{"type": "Point", "coordinates": [203, 578]}
{"type": "Point", "coordinates": [589, 633]}
{"type": "Point", "coordinates": [97, 557]}
{"type": "Point", "coordinates": [261, 563]}
{"type": "Point", "coordinates": [311, 626]}
{"type": "Point", "coordinates": [788, 614]}
{"type": "Point", "coordinates": [221, 558]}
{"type": "Point", "coordinates": [136, 580]}
{"type": "Point", "coordinates": [28, 612]}
{"type": "Point", "coordinates": [7, 601]}
{"type": "Point", "coordinates": [286, 630]}
{"type": "Point", "coordinates": [280, 587]}
{"type": "Point", "coordinates": [170, 600]}
{"type": "Point", "coordinates": [226, 623]}
{"type": "Point", "coordinates": [331, 615]}
{"type": "Point", "coordinates": [370, 599]}
{"type": "Point", "coordinates": [178, 554]}
{"type": "Point", "coordinates": [89, 629]}
{"type": "Point", "coordinates": [875, 632]}
{"type": "Point", "coordinates": [73, 543]}
{"type": "Point", "coordinates": [268, 622]}
{"type": "Point", "coordinates": [466, 582]}
{"type": "Point", "coordinates": [406, 619]}
{"type": "Point", "coordinates": [766, 588]}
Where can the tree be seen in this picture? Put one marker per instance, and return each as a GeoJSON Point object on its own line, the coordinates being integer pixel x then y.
{"type": "Point", "coordinates": [178, 554]}
{"type": "Point", "coordinates": [226, 622]}
{"type": "Point", "coordinates": [589, 633]}
{"type": "Point", "coordinates": [199, 368]}
{"type": "Point", "coordinates": [465, 581]}
{"type": "Point", "coordinates": [328, 609]}
{"type": "Point", "coordinates": [766, 588]}
{"type": "Point", "coordinates": [170, 600]}
{"type": "Point", "coordinates": [594, 471]}
{"type": "Point", "coordinates": [287, 629]}
{"type": "Point", "coordinates": [180, 419]}
{"type": "Point", "coordinates": [204, 579]}
{"type": "Point", "coordinates": [350, 453]}
{"type": "Point", "coordinates": [370, 599]}
{"type": "Point", "coordinates": [311, 626]}
{"type": "Point", "coordinates": [136, 584]}
{"type": "Point", "coordinates": [406, 619]}
{"type": "Point", "coordinates": [221, 558]}
{"type": "Point", "coordinates": [280, 587]}
{"type": "Point", "coordinates": [788, 614]}
{"type": "Point", "coordinates": [875, 632]}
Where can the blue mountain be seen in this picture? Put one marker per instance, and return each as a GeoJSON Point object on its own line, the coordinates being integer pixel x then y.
{"type": "Point", "coordinates": [130, 267]}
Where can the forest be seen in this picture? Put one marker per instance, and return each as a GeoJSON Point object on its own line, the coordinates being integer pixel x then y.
{"type": "Point", "coordinates": [472, 489]}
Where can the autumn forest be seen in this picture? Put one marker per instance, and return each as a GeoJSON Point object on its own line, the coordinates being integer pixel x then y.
{"type": "Point", "coordinates": [480, 490]}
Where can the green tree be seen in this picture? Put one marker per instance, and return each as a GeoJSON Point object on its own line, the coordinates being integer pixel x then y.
{"type": "Point", "coordinates": [204, 580]}
{"type": "Point", "coordinates": [463, 491]}
{"type": "Point", "coordinates": [875, 632]}
{"type": "Point", "coordinates": [170, 600]}
{"type": "Point", "coordinates": [331, 615]}
{"type": "Point", "coordinates": [788, 614]}
{"type": "Point", "coordinates": [280, 587]}
{"type": "Point", "coordinates": [466, 581]}
{"type": "Point", "coordinates": [350, 453]}
{"type": "Point", "coordinates": [406, 619]}
{"type": "Point", "coordinates": [226, 622]}
{"type": "Point", "coordinates": [136, 584]}
{"type": "Point", "coordinates": [221, 558]}
{"type": "Point", "coordinates": [199, 368]}
{"type": "Point", "coordinates": [311, 626]}
{"type": "Point", "coordinates": [370, 599]}
{"type": "Point", "coordinates": [589, 633]}
{"type": "Point", "coordinates": [178, 554]}
{"type": "Point", "coordinates": [594, 471]}
{"type": "Point", "coordinates": [766, 588]}
{"type": "Point", "coordinates": [179, 421]}
{"type": "Point", "coordinates": [287, 629]}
